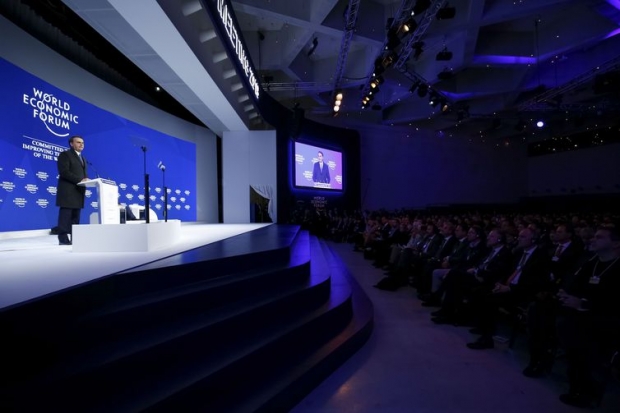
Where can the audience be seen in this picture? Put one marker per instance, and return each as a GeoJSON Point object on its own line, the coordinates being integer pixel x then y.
{"type": "Point", "coordinates": [554, 270]}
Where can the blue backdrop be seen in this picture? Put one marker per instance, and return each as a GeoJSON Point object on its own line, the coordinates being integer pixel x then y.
{"type": "Point", "coordinates": [36, 121]}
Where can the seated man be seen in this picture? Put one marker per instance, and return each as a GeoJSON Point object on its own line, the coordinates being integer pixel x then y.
{"type": "Point", "coordinates": [467, 254]}
{"type": "Point", "coordinates": [447, 246]}
{"type": "Point", "coordinates": [481, 278]}
{"type": "Point", "coordinates": [541, 313]}
{"type": "Point", "coordinates": [529, 277]}
{"type": "Point", "coordinates": [588, 325]}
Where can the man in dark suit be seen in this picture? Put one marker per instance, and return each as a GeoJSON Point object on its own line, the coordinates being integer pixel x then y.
{"type": "Point", "coordinates": [475, 281]}
{"type": "Point", "coordinates": [588, 325]}
{"type": "Point", "coordinates": [69, 196]}
{"type": "Point", "coordinates": [320, 172]}
{"type": "Point", "coordinates": [529, 277]}
{"type": "Point", "coordinates": [565, 256]}
{"type": "Point", "coordinates": [424, 269]}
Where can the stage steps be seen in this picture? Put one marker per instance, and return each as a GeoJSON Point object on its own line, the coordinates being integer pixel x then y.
{"type": "Point", "coordinates": [257, 338]}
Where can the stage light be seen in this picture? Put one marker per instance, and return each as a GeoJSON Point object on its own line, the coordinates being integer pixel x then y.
{"type": "Point", "coordinates": [409, 26]}
{"type": "Point", "coordinates": [418, 48]}
{"type": "Point", "coordinates": [375, 82]}
{"type": "Point", "coordinates": [540, 124]}
{"type": "Point", "coordinates": [433, 100]}
{"type": "Point", "coordinates": [315, 43]}
{"type": "Point", "coordinates": [337, 101]}
{"type": "Point", "coordinates": [422, 90]}
{"type": "Point", "coordinates": [414, 86]}
{"type": "Point", "coordinates": [390, 59]}
{"type": "Point", "coordinates": [445, 54]}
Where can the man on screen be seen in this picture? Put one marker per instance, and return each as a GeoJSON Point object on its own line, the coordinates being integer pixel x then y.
{"type": "Point", "coordinates": [69, 196]}
{"type": "Point", "coordinates": [320, 173]}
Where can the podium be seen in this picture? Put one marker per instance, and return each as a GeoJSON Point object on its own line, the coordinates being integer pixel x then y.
{"type": "Point", "coordinates": [107, 199]}
{"type": "Point", "coordinates": [113, 236]}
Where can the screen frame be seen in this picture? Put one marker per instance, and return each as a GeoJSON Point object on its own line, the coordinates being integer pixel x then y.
{"type": "Point", "coordinates": [319, 146]}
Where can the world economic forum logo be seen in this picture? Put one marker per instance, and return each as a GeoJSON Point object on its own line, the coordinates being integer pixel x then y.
{"type": "Point", "coordinates": [55, 113]}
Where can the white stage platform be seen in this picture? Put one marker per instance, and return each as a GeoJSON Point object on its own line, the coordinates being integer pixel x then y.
{"type": "Point", "coordinates": [34, 265]}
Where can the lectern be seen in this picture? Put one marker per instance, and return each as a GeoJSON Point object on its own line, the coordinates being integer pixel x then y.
{"type": "Point", "coordinates": [107, 199]}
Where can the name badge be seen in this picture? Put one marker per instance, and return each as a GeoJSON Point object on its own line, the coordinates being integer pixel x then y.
{"type": "Point", "coordinates": [595, 280]}
{"type": "Point", "coordinates": [555, 259]}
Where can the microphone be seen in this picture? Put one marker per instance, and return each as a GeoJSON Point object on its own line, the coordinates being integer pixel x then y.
{"type": "Point", "coordinates": [94, 169]}
{"type": "Point", "coordinates": [161, 166]}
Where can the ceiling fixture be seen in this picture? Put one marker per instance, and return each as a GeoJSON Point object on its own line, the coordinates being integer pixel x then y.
{"type": "Point", "coordinates": [315, 43]}
{"type": "Point", "coordinates": [337, 102]}
{"type": "Point", "coordinates": [418, 49]}
{"type": "Point", "coordinates": [376, 81]}
{"type": "Point", "coordinates": [422, 90]}
{"type": "Point", "coordinates": [409, 26]}
{"type": "Point", "coordinates": [445, 54]}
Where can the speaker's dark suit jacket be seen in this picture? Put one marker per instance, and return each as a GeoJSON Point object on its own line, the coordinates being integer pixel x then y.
{"type": "Point", "coordinates": [71, 171]}
{"type": "Point", "coordinates": [320, 175]}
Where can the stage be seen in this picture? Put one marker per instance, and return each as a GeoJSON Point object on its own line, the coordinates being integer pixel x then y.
{"type": "Point", "coordinates": [34, 265]}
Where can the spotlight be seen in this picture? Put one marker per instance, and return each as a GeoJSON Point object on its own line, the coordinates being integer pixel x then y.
{"type": "Point", "coordinates": [422, 90]}
{"type": "Point", "coordinates": [540, 124]}
{"type": "Point", "coordinates": [376, 82]}
{"type": "Point", "coordinates": [315, 43]}
{"type": "Point", "coordinates": [433, 100]}
{"type": "Point", "coordinates": [409, 26]}
{"type": "Point", "coordinates": [446, 13]}
{"type": "Point", "coordinates": [390, 59]}
{"type": "Point", "coordinates": [414, 86]}
{"type": "Point", "coordinates": [444, 55]}
{"type": "Point", "coordinates": [418, 48]}
{"type": "Point", "coordinates": [337, 101]}
{"type": "Point", "coordinates": [420, 6]}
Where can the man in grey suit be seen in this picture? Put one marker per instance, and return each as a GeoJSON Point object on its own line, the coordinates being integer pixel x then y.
{"type": "Point", "coordinates": [69, 196]}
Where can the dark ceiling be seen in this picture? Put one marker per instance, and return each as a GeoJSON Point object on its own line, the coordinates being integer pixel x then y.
{"type": "Point", "coordinates": [497, 65]}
